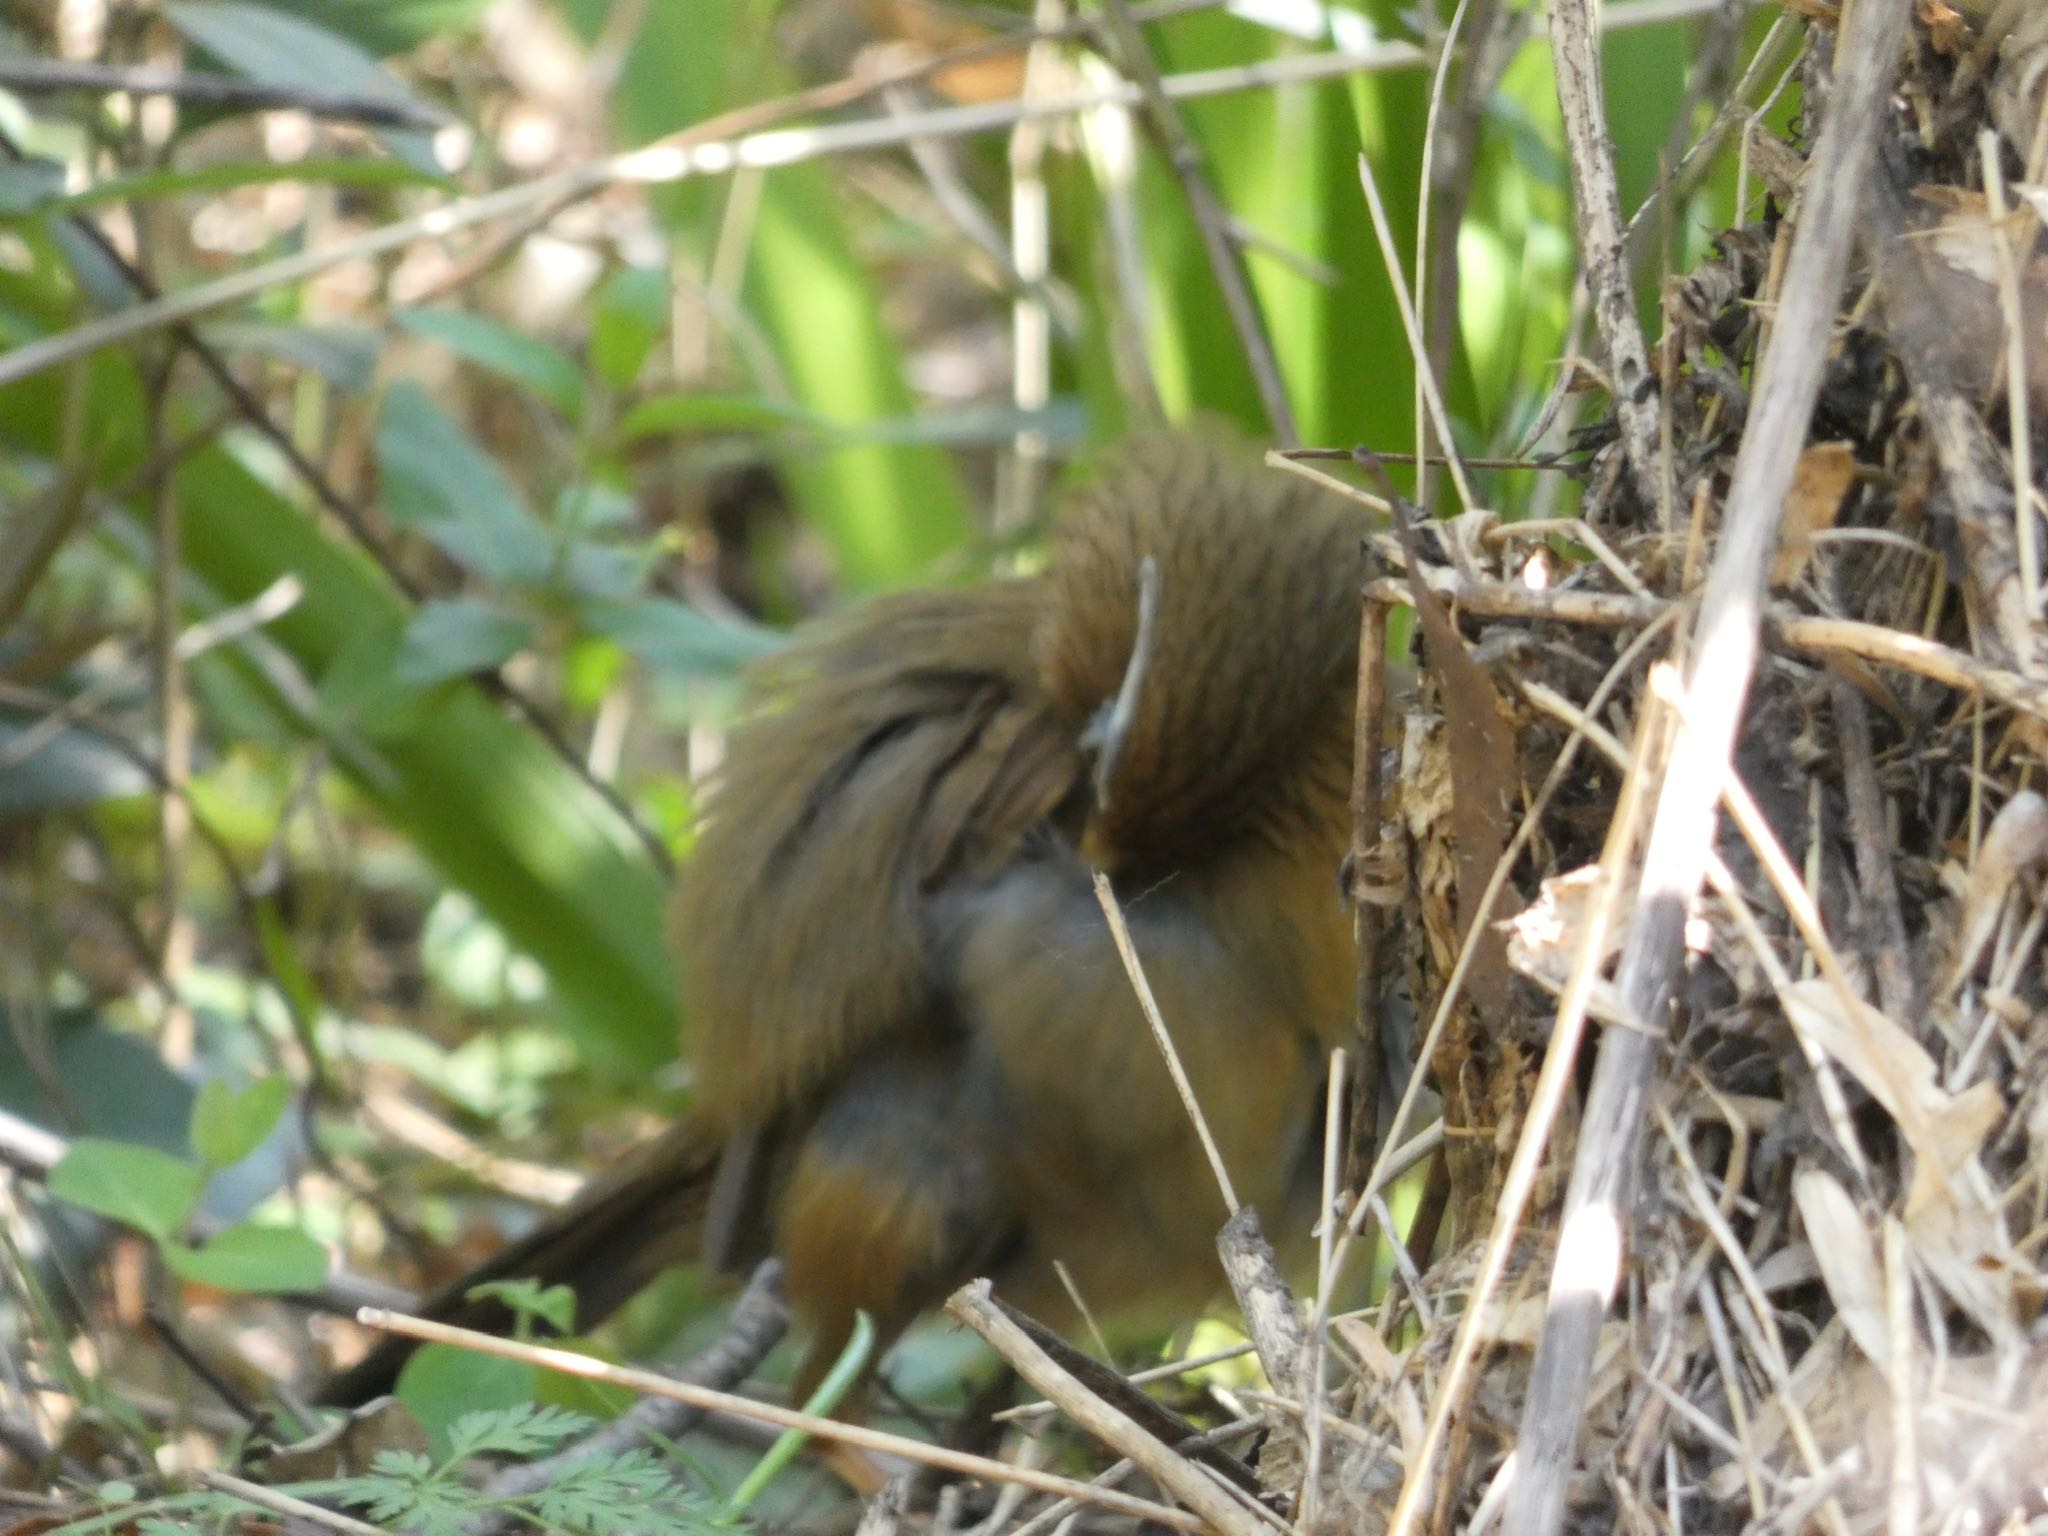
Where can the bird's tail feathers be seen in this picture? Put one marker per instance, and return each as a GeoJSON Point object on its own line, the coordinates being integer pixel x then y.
{"type": "Point", "coordinates": [625, 1228]}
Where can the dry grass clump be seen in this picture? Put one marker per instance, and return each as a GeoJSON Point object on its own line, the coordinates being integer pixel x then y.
{"type": "Point", "coordinates": [1818, 1153]}
{"type": "Point", "coordinates": [1809, 1168]}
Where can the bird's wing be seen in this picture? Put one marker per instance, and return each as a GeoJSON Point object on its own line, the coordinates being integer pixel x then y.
{"type": "Point", "coordinates": [906, 749]}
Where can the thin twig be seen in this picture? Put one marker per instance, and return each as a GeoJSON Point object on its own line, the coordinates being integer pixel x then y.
{"type": "Point", "coordinates": [1556, 463]}
{"type": "Point", "coordinates": [1219, 1508]}
{"type": "Point", "coordinates": [1887, 953]}
{"type": "Point", "coordinates": [1368, 884]}
{"type": "Point", "coordinates": [1212, 219]}
{"type": "Point", "coordinates": [2020, 431]}
{"type": "Point", "coordinates": [676, 159]}
{"type": "Point", "coordinates": [1120, 1393]}
{"type": "Point", "coordinates": [1134, 968]}
{"type": "Point", "coordinates": [1411, 324]}
{"type": "Point", "coordinates": [1560, 1066]}
{"type": "Point", "coordinates": [1061, 1512]}
{"type": "Point", "coordinates": [859, 1435]}
{"type": "Point", "coordinates": [1315, 1389]}
{"type": "Point", "coordinates": [286, 1505]}
{"type": "Point", "coordinates": [1603, 249]}
{"type": "Point", "coordinates": [1166, 1372]}
{"type": "Point", "coordinates": [1912, 653]}
{"type": "Point", "coordinates": [1722, 657]}
{"type": "Point", "coordinates": [50, 77]}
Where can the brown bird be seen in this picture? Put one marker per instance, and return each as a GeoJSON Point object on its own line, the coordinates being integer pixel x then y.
{"type": "Point", "coordinates": [919, 1058]}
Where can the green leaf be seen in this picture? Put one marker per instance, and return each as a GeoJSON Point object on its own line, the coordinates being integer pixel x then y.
{"type": "Point", "coordinates": [344, 355]}
{"type": "Point", "coordinates": [100, 1080]}
{"type": "Point", "coordinates": [478, 795]}
{"type": "Point", "coordinates": [674, 637]}
{"type": "Point", "coordinates": [669, 414]}
{"type": "Point", "coordinates": [632, 314]}
{"type": "Point", "coordinates": [279, 49]}
{"type": "Point", "coordinates": [228, 1125]}
{"type": "Point", "coordinates": [229, 175]}
{"type": "Point", "coordinates": [27, 186]}
{"type": "Point", "coordinates": [554, 1305]}
{"type": "Point", "coordinates": [441, 1385]}
{"type": "Point", "coordinates": [287, 970]}
{"type": "Point", "coordinates": [826, 1396]}
{"type": "Point", "coordinates": [261, 1260]}
{"type": "Point", "coordinates": [506, 352]}
{"type": "Point", "coordinates": [530, 1429]}
{"type": "Point", "coordinates": [459, 637]}
{"type": "Point", "coordinates": [385, 27]}
{"type": "Point", "coordinates": [359, 691]}
{"type": "Point", "coordinates": [887, 512]}
{"type": "Point", "coordinates": [434, 478]}
{"type": "Point", "coordinates": [137, 1186]}
{"type": "Point", "coordinates": [594, 503]}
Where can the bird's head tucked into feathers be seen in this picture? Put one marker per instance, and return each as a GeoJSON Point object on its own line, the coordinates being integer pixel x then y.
{"type": "Point", "coordinates": [1234, 720]}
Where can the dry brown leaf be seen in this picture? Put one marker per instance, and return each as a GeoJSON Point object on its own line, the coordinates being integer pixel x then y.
{"type": "Point", "coordinates": [1944, 1130]}
{"type": "Point", "coordinates": [1483, 744]}
{"type": "Point", "coordinates": [1390, 1370]}
{"type": "Point", "coordinates": [1963, 242]}
{"type": "Point", "coordinates": [1958, 1235]}
{"type": "Point", "coordinates": [2020, 84]}
{"type": "Point", "coordinates": [2015, 846]}
{"type": "Point", "coordinates": [1545, 937]}
{"type": "Point", "coordinates": [1947, 32]}
{"type": "Point", "coordinates": [1819, 486]}
{"type": "Point", "coordinates": [1950, 1212]}
{"type": "Point", "coordinates": [1364, 1341]}
{"type": "Point", "coordinates": [1847, 1257]}
{"type": "Point", "coordinates": [1464, 540]}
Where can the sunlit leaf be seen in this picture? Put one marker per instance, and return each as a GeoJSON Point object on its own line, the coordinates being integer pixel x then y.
{"type": "Point", "coordinates": [632, 314]}
{"type": "Point", "coordinates": [440, 1385]}
{"type": "Point", "coordinates": [679, 413]}
{"type": "Point", "coordinates": [229, 1123]}
{"type": "Point", "coordinates": [137, 1186]}
{"type": "Point", "coordinates": [260, 1259]}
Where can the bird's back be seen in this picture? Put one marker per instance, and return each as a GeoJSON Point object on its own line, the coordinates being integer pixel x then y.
{"type": "Point", "coordinates": [901, 985]}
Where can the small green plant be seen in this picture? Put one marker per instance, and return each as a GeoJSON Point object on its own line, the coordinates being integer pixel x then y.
{"type": "Point", "coordinates": [416, 1495]}
{"type": "Point", "coordinates": [599, 1494]}
{"type": "Point", "coordinates": [158, 1194]}
{"type": "Point", "coordinates": [530, 1302]}
{"type": "Point", "coordinates": [441, 1384]}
